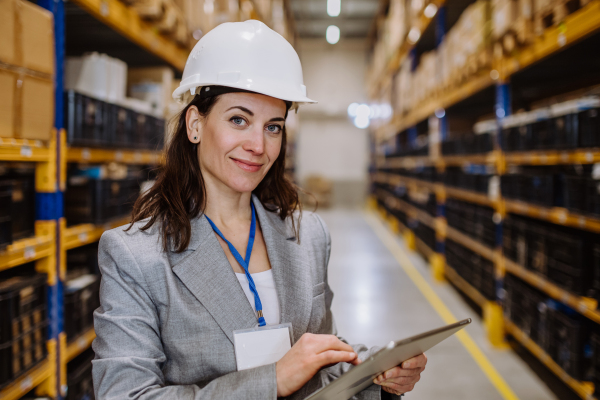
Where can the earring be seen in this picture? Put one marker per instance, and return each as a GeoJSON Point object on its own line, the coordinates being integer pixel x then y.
{"type": "Point", "coordinates": [195, 137]}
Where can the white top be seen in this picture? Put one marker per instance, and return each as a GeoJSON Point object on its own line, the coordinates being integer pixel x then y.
{"type": "Point", "coordinates": [265, 285]}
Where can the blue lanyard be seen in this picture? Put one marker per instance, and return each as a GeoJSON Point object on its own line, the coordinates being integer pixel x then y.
{"type": "Point", "coordinates": [245, 262]}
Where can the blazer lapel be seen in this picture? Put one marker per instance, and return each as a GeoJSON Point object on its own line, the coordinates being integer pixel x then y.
{"type": "Point", "coordinates": [207, 274]}
{"type": "Point", "coordinates": [291, 270]}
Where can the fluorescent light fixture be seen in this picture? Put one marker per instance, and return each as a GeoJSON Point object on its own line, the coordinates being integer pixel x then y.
{"type": "Point", "coordinates": [352, 110]}
{"type": "Point", "coordinates": [430, 10]}
{"type": "Point", "coordinates": [361, 122]}
{"type": "Point", "coordinates": [334, 7]}
{"type": "Point", "coordinates": [333, 34]}
{"type": "Point", "coordinates": [363, 111]}
{"type": "Point", "coordinates": [414, 35]}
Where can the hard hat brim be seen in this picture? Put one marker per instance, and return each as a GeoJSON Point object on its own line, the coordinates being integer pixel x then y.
{"type": "Point", "coordinates": [181, 90]}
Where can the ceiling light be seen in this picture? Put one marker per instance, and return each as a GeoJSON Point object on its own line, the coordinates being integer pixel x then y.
{"type": "Point", "coordinates": [430, 10]}
{"type": "Point", "coordinates": [361, 122]}
{"type": "Point", "coordinates": [334, 7]}
{"type": "Point", "coordinates": [352, 110]}
{"type": "Point", "coordinates": [333, 34]}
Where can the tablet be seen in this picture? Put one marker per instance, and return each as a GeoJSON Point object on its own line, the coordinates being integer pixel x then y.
{"type": "Point", "coordinates": [361, 376]}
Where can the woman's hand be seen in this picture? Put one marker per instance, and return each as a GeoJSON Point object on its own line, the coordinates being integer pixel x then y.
{"type": "Point", "coordinates": [402, 379]}
{"type": "Point", "coordinates": [307, 357]}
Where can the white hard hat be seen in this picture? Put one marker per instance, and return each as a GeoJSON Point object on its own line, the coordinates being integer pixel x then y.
{"type": "Point", "coordinates": [248, 56]}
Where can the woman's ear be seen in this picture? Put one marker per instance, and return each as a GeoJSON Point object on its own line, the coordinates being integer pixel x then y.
{"type": "Point", "coordinates": [193, 123]}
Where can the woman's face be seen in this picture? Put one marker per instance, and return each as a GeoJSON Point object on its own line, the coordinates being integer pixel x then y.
{"type": "Point", "coordinates": [240, 139]}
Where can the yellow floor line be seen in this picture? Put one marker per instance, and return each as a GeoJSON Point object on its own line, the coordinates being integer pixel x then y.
{"type": "Point", "coordinates": [486, 366]}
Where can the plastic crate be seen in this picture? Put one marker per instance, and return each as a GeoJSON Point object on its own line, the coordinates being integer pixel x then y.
{"type": "Point", "coordinates": [120, 133]}
{"type": "Point", "coordinates": [87, 120]}
{"type": "Point", "coordinates": [589, 126]}
{"type": "Point", "coordinates": [6, 189]}
{"type": "Point", "coordinates": [22, 353]}
{"type": "Point", "coordinates": [22, 305]}
{"type": "Point", "coordinates": [22, 207]}
{"type": "Point", "coordinates": [79, 377]}
{"type": "Point", "coordinates": [81, 299]}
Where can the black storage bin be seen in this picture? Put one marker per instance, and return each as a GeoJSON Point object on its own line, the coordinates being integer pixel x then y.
{"type": "Point", "coordinates": [6, 190]}
{"type": "Point", "coordinates": [568, 340]}
{"type": "Point", "coordinates": [120, 132]}
{"type": "Point", "coordinates": [23, 324]}
{"type": "Point", "coordinates": [81, 299]}
{"type": "Point", "coordinates": [592, 197]}
{"type": "Point", "coordinates": [518, 138]}
{"type": "Point", "coordinates": [87, 120]}
{"type": "Point", "coordinates": [84, 259]}
{"type": "Point", "coordinates": [589, 128]}
{"type": "Point", "coordinates": [79, 377]}
{"type": "Point", "coordinates": [22, 207]}
{"type": "Point", "coordinates": [543, 135]}
{"type": "Point", "coordinates": [565, 130]}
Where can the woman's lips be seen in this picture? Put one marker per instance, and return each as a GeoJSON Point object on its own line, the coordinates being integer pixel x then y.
{"type": "Point", "coordinates": [247, 165]}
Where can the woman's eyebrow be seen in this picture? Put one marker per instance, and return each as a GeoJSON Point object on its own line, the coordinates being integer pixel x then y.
{"type": "Point", "coordinates": [277, 119]}
{"type": "Point", "coordinates": [244, 109]}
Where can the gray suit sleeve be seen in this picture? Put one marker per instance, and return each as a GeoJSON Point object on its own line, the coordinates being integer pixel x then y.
{"type": "Point", "coordinates": [373, 392]}
{"type": "Point", "coordinates": [129, 352]}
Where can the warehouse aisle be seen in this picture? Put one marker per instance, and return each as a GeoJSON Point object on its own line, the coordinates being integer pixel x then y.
{"type": "Point", "coordinates": [376, 301]}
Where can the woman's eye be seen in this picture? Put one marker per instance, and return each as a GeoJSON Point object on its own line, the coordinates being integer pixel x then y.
{"type": "Point", "coordinates": [274, 128]}
{"type": "Point", "coordinates": [237, 120]}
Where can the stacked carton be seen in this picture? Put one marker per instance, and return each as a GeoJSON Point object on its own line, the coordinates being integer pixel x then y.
{"type": "Point", "coordinates": [26, 70]}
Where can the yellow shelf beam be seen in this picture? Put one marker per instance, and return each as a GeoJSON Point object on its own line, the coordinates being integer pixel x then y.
{"type": "Point", "coordinates": [29, 249]}
{"type": "Point", "coordinates": [585, 390]}
{"type": "Point", "coordinates": [90, 155]}
{"type": "Point", "coordinates": [553, 157]}
{"type": "Point", "coordinates": [394, 179]}
{"type": "Point", "coordinates": [465, 286]}
{"type": "Point", "coordinates": [409, 209]}
{"type": "Point", "coordinates": [444, 100]}
{"type": "Point", "coordinates": [423, 248]}
{"type": "Point", "coordinates": [24, 150]}
{"type": "Point", "coordinates": [28, 381]}
{"type": "Point", "coordinates": [471, 244]}
{"type": "Point", "coordinates": [459, 160]}
{"type": "Point", "coordinates": [126, 21]}
{"type": "Point", "coordinates": [80, 344]}
{"type": "Point", "coordinates": [470, 196]}
{"type": "Point", "coordinates": [80, 235]}
{"type": "Point", "coordinates": [576, 26]}
{"type": "Point", "coordinates": [557, 215]}
{"type": "Point", "coordinates": [584, 305]}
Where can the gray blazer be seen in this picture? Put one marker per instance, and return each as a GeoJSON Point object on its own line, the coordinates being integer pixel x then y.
{"type": "Point", "coordinates": [164, 327]}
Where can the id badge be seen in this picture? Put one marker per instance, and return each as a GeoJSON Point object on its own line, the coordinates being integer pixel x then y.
{"type": "Point", "coordinates": [260, 346]}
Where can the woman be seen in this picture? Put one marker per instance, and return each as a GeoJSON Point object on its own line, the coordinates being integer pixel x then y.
{"type": "Point", "coordinates": [175, 289]}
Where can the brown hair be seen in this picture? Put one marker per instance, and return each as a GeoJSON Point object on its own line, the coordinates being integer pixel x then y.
{"type": "Point", "coordinates": [179, 193]}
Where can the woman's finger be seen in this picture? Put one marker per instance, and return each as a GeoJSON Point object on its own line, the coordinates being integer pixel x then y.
{"type": "Point", "coordinates": [397, 372]}
{"type": "Point", "coordinates": [415, 362]}
{"type": "Point", "coordinates": [335, 356]}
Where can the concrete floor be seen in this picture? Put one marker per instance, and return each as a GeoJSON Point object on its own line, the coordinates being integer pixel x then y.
{"type": "Point", "coordinates": [376, 301]}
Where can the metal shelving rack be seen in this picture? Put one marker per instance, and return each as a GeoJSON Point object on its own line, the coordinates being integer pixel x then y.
{"type": "Point", "coordinates": [52, 237]}
{"type": "Point", "coordinates": [576, 27]}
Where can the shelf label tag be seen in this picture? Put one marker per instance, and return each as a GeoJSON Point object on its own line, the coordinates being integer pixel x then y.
{"type": "Point", "coordinates": [26, 151]}
{"type": "Point", "coordinates": [83, 237]}
{"type": "Point", "coordinates": [27, 383]}
{"type": "Point", "coordinates": [104, 10]}
{"type": "Point", "coordinates": [85, 154]}
{"type": "Point", "coordinates": [119, 155]}
{"type": "Point", "coordinates": [29, 253]}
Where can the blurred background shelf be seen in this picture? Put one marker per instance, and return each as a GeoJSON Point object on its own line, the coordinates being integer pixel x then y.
{"type": "Point", "coordinates": [80, 344]}
{"type": "Point", "coordinates": [470, 243]}
{"type": "Point", "coordinates": [28, 381]}
{"type": "Point", "coordinates": [584, 389]}
{"type": "Point", "coordinates": [94, 155]}
{"type": "Point", "coordinates": [80, 235]}
{"type": "Point", "coordinates": [555, 215]}
{"type": "Point", "coordinates": [584, 305]}
{"type": "Point", "coordinates": [127, 22]}
{"type": "Point", "coordinates": [464, 286]}
{"type": "Point", "coordinates": [27, 250]}
{"type": "Point", "coordinates": [12, 149]}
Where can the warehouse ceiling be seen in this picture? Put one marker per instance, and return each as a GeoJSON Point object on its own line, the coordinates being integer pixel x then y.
{"type": "Point", "coordinates": [354, 21]}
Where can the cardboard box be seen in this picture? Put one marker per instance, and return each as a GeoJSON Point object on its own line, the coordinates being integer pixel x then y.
{"type": "Point", "coordinates": [7, 31]}
{"type": "Point", "coordinates": [8, 85]}
{"type": "Point", "coordinates": [153, 75]}
{"type": "Point", "coordinates": [27, 33]}
{"type": "Point", "coordinates": [37, 36]}
{"type": "Point", "coordinates": [37, 108]}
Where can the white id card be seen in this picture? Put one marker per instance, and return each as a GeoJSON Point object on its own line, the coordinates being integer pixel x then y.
{"type": "Point", "coordinates": [260, 346]}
